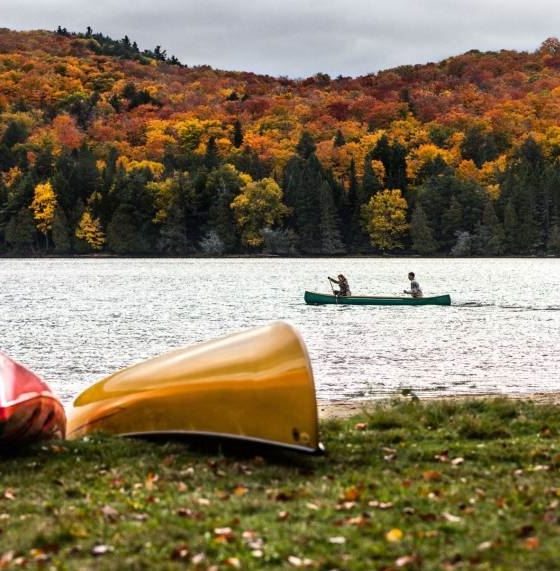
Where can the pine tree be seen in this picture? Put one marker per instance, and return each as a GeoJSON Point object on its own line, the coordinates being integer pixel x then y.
{"type": "Point", "coordinates": [339, 139]}
{"type": "Point", "coordinates": [237, 134]}
{"type": "Point", "coordinates": [422, 236]}
{"type": "Point", "coordinates": [510, 228]}
{"type": "Point", "coordinates": [60, 233]}
{"type": "Point", "coordinates": [452, 222]}
{"type": "Point", "coordinates": [331, 241]}
{"type": "Point", "coordinates": [553, 245]}
{"type": "Point", "coordinates": [20, 231]}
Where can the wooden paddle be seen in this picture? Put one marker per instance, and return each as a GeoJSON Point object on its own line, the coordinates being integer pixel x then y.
{"type": "Point", "coordinates": [336, 296]}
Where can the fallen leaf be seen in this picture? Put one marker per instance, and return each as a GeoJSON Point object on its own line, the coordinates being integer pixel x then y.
{"type": "Point", "coordinates": [406, 560]}
{"type": "Point", "coordinates": [98, 550]}
{"type": "Point", "coordinates": [451, 518]}
{"type": "Point", "coordinates": [299, 562]}
{"type": "Point", "coordinates": [150, 481]}
{"type": "Point", "coordinates": [485, 545]}
{"type": "Point", "coordinates": [457, 461]}
{"type": "Point", "coordinates": [526, 531]}
{"type": "Point", "coordinates": [283, 515]}
{"type": "Point", "coordinates": [224, 534]}
{"type": "Point", "coordinates": [240, 491]}
{"type": "Point", "coordinates": [432, 476]}
{"type": "Point", "coordinates": [361, 426]}
{"type": "Point", "coordinates": [198, 558]}
{"type": "Point", "coordinates": [394, 535]}
{"type": "Point", "coordinates": [110, 513]}
{"type": "Point", "coordinates": [359, 521]}
{"type": "Point", "coordinates": [531, 543]}
{"type": "Point", "coordinates": [338, 540]}
{"type": "Point", "coordinates": [233, 562]}
{"type": "Point", "coordinates": [180, 553]}
{"type": "Point", "coordinates": [351, 494]}
{"type": "Point", "coordinates": [380, 505]}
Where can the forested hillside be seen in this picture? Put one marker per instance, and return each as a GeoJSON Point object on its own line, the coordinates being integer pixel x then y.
{"type": "Point", "coordinates": [106, 148]}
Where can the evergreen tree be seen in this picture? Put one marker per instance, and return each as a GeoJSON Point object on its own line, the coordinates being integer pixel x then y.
{"type": "Point", "coordinates": [237, 134]}
{"type": "Point", "coordinates": [60, 234]}
{"type": "Point", "coordinates": [303, 179]}
{"type": "Point", "coordinates": [489, 239]}
{"type": "Point", "coordinates": [422, 237]}
{"type": "Point", "coordinates": [211, 158]}
{"type": "Point", "coordinates": [331, 241]}
{"type": "Point", "coordinates": [123, 235]}
{"type": "Point", "coordinates": [20, 231]}
{"type": "Point", "coordinates": [510, 228]}
{"type": "Point", "coordinates": [306, 146]}
{"type": "Point", "coordinates": [553, 244]}
{"type": "Point", "coordinates": [339, 140]}
{"type": "Point", "coordinates": [393, 157]}
{"type": "Point", "coordinates": [452, 222]}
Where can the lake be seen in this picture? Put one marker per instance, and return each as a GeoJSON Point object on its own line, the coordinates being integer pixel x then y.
{"type": "Point", "coordinates": [73, 321]}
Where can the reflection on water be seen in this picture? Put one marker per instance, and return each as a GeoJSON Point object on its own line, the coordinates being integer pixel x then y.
{"type": "Point", "coordinates": [76, 320]}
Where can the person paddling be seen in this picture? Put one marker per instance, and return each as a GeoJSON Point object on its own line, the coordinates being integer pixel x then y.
{"type": "Point", "coordinates": [342, 283]}
{"type": "Point", "coordinates": [415, 290]}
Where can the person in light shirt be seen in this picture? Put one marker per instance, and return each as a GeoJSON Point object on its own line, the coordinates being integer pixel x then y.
{"type": "Point", "coordinates": [415, 289]}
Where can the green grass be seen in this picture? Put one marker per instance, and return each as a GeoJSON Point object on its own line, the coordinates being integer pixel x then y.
{"type": "Point", "coordinates": [408, 485]}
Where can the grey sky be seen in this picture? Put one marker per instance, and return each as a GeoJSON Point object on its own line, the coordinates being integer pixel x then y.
{"type": "Point", "coordinates": [299, 38]}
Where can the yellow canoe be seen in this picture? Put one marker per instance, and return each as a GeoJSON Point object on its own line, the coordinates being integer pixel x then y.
{"type": "Point", "coordinates": [255, 385]}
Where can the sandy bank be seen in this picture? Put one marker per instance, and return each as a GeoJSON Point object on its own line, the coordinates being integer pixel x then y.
{"type": "Point", "coordinates": [347, 408]}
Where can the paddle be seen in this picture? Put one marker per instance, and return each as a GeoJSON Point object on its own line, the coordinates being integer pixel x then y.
{"type": "Point", "coordinates": [336, 296]}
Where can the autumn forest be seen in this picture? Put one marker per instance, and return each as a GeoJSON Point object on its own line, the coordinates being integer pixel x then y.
{"type": "Point", "coordinates": [106, 148]}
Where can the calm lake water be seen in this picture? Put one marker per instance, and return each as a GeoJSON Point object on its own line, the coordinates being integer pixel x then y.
{"type": "Point", "coordinates": [74, 321]}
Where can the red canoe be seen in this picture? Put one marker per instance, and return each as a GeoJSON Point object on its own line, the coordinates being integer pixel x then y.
{"type": "Point", "coordinates": [28, 409]}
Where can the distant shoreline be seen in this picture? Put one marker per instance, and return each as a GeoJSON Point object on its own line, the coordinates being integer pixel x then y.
{"type": "Point", "coordinates": [261, 256]}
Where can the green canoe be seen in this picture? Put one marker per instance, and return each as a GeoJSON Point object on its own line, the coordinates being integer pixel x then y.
{"type": "Point", "coordinates": [314, 298]}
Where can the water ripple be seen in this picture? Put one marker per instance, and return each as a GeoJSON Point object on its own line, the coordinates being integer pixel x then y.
{"type": "Point", "coordinates": [77, 320]}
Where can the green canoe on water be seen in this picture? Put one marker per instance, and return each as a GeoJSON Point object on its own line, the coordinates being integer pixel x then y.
{"type": "Point", "coordinates": [314, 298]}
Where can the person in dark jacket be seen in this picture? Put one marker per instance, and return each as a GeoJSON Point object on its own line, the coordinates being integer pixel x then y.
{"type": "Point", "coordinates": [342, 283]}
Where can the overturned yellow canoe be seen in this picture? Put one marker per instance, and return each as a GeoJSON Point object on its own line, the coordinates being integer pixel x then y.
{"type": "Point", "coordinates": [255, 385]}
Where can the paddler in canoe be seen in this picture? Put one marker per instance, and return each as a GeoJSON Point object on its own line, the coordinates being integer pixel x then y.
{"type": "Point", "coordinates": [342, 283]}
{"type": "Point", "coordinates": [415, 289]}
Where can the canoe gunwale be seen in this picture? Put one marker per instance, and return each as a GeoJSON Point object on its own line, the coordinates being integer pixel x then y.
{"type": "Point", "coordinates": [319, 451]}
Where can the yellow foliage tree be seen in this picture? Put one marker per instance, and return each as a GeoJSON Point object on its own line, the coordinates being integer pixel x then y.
{"type": "Point", "coordinates": [259, 206]}
{"type": "Point", "coordinates": [90, 231]}
{"type": "Point", "coordinates": [43, 207]}
{"type": "Point", "coordinates": [423, 155]}
{"type": "Point", "coordinates": [385, 218]}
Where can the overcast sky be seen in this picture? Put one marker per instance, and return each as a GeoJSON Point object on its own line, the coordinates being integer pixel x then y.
{"type": "Point", "coordinates": [299, 38]}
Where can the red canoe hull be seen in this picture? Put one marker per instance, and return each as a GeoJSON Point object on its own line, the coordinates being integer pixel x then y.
{"type": "Point", "coordinates": [28, 409]}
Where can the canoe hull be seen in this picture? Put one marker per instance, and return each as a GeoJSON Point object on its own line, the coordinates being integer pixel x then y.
{"type": "Point", "coordinates": [315, 298]}
{"type": "Point", "coordinates": [29, 412]}
{"type": "Point", "coordinates": [256, 385]}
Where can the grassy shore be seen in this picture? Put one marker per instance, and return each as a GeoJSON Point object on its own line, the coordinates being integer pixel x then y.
{"type": "Point", "coordinates": [406, 485]}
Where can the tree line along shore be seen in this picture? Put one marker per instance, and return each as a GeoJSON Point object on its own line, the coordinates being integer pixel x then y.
{"type": "Point", "coordinates": [104, 148]}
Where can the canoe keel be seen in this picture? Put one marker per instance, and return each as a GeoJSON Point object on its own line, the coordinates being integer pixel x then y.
{"type": "Point", "coordinates": [256, 385]}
